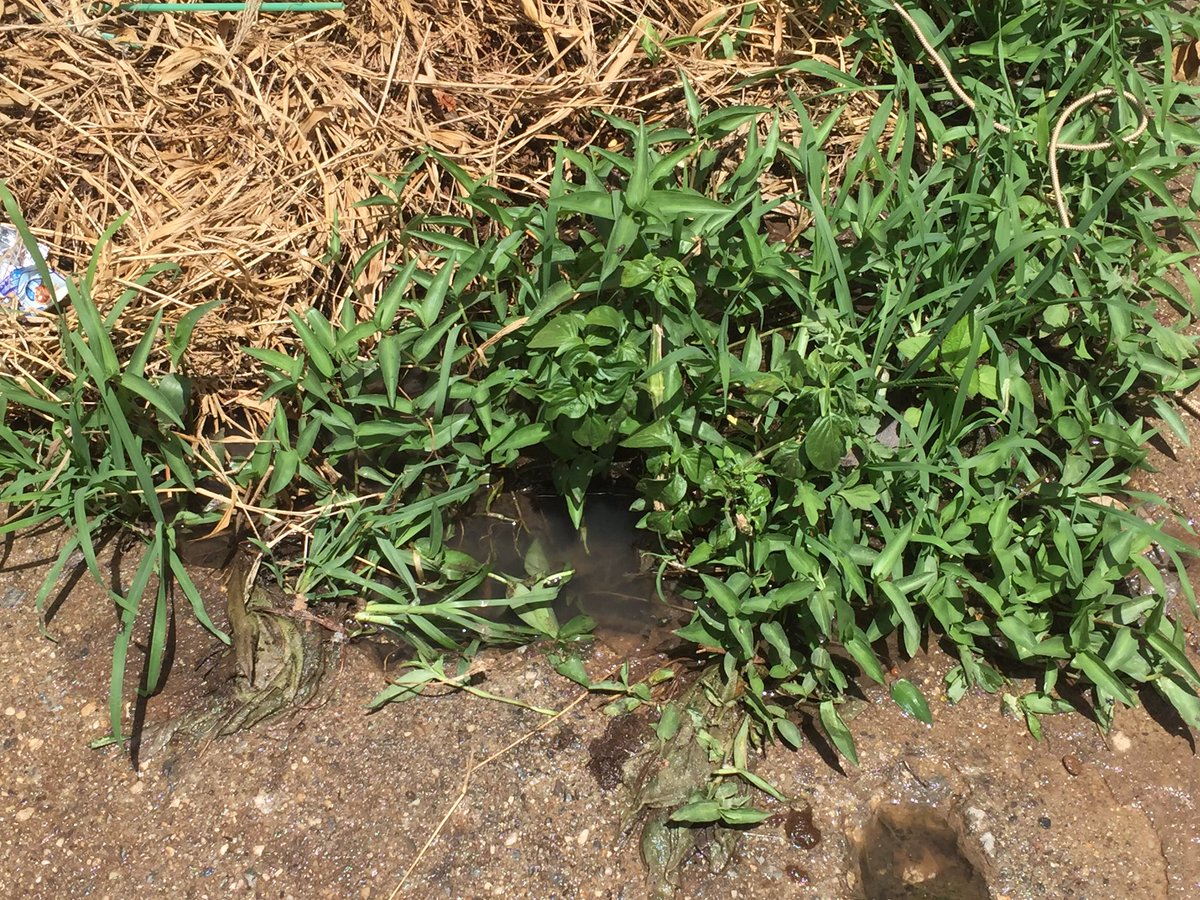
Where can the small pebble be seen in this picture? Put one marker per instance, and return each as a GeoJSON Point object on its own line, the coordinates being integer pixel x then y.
{"type": "Point", "coordinates": [1072, 764]}
{"type": "Point", "coordinates": [1120, 741]}
{"type": "Point", "coordinates": [582, 837]}
{"type": "Point", "coordinates": [11, 597]}
{"type": "Point", "coordinates": [1044, 821]}
{"type": "Point", "coordinates": [24, 815]}
{"type": "Point", "coordinates": [988, 841]}
{"type": "Point", "coordinates": [88, 710]}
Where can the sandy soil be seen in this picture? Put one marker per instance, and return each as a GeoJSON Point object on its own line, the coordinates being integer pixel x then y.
{"type": "Point", "coordinates": [480, 799]}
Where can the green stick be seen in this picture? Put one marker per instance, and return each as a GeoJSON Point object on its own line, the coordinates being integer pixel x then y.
{"type": "Point", "coordinates": [211, 7]}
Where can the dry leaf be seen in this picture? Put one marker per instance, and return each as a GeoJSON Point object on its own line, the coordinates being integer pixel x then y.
{"type": "Point", "coordinates": [445, 101]}
{"type": "Point", "coordinates": [448, 139]}
{"type": "Point", "coordinates": [1185, 62]}
{"type": "Point", "coordinates": [206, 147]}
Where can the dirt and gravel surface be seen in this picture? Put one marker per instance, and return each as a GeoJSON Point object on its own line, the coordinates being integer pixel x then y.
{"type": "Point", "coordinates": [454, 796]}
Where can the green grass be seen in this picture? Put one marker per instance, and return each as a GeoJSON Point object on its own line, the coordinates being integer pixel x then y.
{"type": "Point", "coordinates": [911, 421]}
{"type": "Point", "coordinates": [100, 453]}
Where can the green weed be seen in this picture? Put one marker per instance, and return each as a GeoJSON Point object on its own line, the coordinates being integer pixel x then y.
{"type": "Point", "coordinates": [100, 451]}
{"type": "Point", "coordinates": [914, 418]}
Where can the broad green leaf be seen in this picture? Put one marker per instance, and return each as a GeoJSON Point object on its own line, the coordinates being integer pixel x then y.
{"type": "Point", "coordinates": [824, 444]}
{"type": "Point", "coordinates": [393, 296]}
{"type": "Point", "coordinates": [598, 204]}
{"type": "Point", "coordinates": [860, 649]}
{"type": "Point", "coordinates": [387, 352]}
{"type": "Point", "coordinates": [743, 815]}
{"type": "Point", "coordinates": [182, 335]}
{"type": "Point", "coordinates": [555, 333]}
{"type": "Point", "coordinates": [860, 497]}
{"type": "Point", "coordinates": [533, 607]}
{"type": "Point", "coordinates": [1174, 655]}
{"type": "Point", "coordinates": [658, 433]}
{"type": "Point", "coordinates": [1182, 697]}
{"type": "Point", "coordinates": [774, 635]}
{"type": "Point", "coordinates": [669, 722]}
{"type": "Point", "coordinates": [635, 272]}
{"type": "Point", "coordinates": [1100, 675]}
{"type": "Point", "coordinates": [430, 308]}
{"type": "Point", "coordinates": [286, 464]}
{"type": "Point", "coordinates": [744, 635]}
{"type": "Point", "coordinates": [910, 699]}
{"type": "Point", "coordinates": [787, 730]}
{"type": "Point", "coordinates": [722, 594]}
{"type": "Point", "coordinates": [154, 396]}
{"type": "Point", "coordinates": [571, 667]}
{"type": "Point", "coordinates": [668, 204]}
{"type": "Point", "coordinates": [892, 552]}
{"type": "Point", "coordinates": [837, 731]}
{"type": "Point", "coordinates": [314, 347]}
{"type": "Point", "coordinates": [904, 610]}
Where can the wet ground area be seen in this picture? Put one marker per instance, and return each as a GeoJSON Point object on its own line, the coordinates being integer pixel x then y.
{"type": "Point", "coordinates": [610, 583]}
{"type": "Point", "coordinates": [454, 796]}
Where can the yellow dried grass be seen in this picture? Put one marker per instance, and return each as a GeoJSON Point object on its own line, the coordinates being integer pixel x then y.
{"type": "Point", "coordinates": [235, 141]}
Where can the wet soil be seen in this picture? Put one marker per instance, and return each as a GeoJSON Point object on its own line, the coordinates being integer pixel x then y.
{"type": "Point", "coordinates": [453, 796]}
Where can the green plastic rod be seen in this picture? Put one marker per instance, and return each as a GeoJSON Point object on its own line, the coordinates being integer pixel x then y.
{"type": "Point", "coordinates": [211, 7]}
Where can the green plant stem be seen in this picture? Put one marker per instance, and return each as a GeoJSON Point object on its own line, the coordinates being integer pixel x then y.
{"type": "Point", "coordinates": [462, 685]}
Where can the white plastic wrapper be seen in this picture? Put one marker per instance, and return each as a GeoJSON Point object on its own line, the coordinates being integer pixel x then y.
{"type": "Point", "coordinates": [20, 284]}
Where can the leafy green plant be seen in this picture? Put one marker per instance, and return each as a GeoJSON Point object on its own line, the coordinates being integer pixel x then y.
{"type": "Point", "coordinates": [917, 417]}
{"type": "Point", "coordinates": [382, 433]}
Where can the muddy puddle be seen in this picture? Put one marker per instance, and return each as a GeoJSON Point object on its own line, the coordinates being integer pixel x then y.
{"type": "Point", "coordinates": [522, 532]}
{"type": "Point", "coordinates": [910, 851]}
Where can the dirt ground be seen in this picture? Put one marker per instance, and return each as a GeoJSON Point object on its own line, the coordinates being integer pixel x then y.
{"type": "Point", "coordinates": [454, 796]}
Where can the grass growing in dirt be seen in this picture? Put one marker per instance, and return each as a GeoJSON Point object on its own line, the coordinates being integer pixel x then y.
{"type": "Point", "coordinates": [896, 395]}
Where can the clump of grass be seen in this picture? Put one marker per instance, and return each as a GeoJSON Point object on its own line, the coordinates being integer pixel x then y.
{"type": "Point", "coordinates": [912, 416]}
{"type": "Point", "coordinates": [99, 449]}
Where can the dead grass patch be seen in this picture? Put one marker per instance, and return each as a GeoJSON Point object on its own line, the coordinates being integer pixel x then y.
{"type": "Point", "coordinates": [234, 142]}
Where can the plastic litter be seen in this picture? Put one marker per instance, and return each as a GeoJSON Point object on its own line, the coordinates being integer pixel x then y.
{"type": "Point", "coordinates": [20, 284]}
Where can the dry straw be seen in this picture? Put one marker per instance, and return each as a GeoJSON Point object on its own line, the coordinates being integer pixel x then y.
{"type": "Point", "coordinates": [234, 141]}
